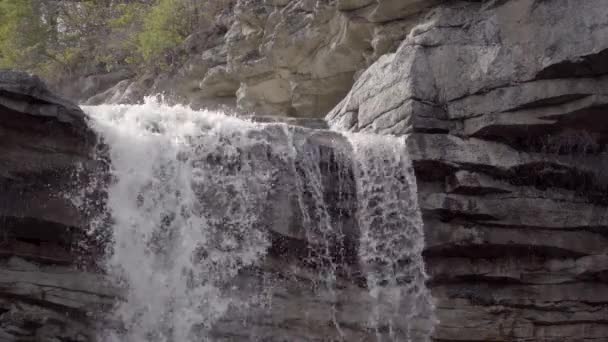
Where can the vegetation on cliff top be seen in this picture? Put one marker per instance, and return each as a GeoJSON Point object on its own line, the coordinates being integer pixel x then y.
{"type": "Point", "coordinates": [58, 37]}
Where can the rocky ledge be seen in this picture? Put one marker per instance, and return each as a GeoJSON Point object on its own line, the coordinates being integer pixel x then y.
{"type": "Point", "coordinates": [46, 152]}
{"type": "Point", "coordinates": [503, 105]}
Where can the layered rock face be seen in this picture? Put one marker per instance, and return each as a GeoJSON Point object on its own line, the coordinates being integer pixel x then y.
{"type": "Point", "coordinates": [46, 151]}
{"type": "Point", "coordinates": [503, 105]}
{"type": "Point", "coordinates": [289, 58]}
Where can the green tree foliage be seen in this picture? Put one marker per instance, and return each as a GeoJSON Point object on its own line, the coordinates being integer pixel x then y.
{"type": "Point", "coordinates": [23, 34]}
{"type": "Point", "coordinates": [164, 28]}
{"type": "Point", "coordinates": [55, 37]}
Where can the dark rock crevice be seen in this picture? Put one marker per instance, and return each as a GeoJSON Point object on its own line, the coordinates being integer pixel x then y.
{"type": "Point", "coordinates": [581, 66]}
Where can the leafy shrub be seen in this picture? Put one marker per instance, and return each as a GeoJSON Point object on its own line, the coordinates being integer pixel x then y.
{"type": "Point", "coordinates": [63, 37]}
{"type": "Point", "coordinates": [165, 26]}
{"type": "Point", "coordinates": [21, 34]}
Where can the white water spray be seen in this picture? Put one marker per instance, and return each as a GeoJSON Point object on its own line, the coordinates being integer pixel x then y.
{"type": "Point", "coordinates": [392, 237]}
{"type": "Point", "coordinates": [187, 202]}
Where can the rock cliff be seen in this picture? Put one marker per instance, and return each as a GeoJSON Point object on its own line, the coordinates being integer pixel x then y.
{"type": "Point", "coordinates": [504, 108]}
{"type": "Point", "coordinates": [288, 58]}
{"type": "Point", "coordinates": [46, 292]}
{"type": "Point", "coordinates": [502, 104]}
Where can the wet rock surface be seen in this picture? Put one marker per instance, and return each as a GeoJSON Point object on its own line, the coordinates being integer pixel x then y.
{"type": "Point", "coordinates": [503, 107]}
{"type": "Point", "coordinates": [45, 151]}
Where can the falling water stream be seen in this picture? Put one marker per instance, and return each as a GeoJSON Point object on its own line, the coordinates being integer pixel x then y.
{"type": "Point", "coordinates": [196, 197]}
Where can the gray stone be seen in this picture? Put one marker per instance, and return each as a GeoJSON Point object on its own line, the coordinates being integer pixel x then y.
{"type": "Point", "coordinates": [46, 152]}
{"type": "Point", "coordinates": [508, 141]}
{"type": "Point", "coordinates": [504, 106]}
{"type": "Point", "coordinates": [292, 58]}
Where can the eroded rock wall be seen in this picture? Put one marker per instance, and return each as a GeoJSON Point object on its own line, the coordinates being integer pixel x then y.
{"type": "Point", "coordinates": [503, 105]}
{"type": "Point", "coordinates": [46, 290]}
{"type": "Point", "coordinates": [277, 57]}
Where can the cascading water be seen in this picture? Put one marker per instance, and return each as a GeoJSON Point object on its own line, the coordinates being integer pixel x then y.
{"type": "Point", "coordinates": [195, 200]}
{"type": "Point", "coordinates": [184, 221]}
{"type": "Point", "coordinates": [392, 238]}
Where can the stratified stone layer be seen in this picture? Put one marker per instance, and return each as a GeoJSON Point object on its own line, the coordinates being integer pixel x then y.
{"type": "Point", "coordinates": [504, 107]}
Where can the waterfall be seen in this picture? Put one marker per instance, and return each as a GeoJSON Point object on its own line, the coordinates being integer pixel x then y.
{"type": "Point", "coordinates": [198, 198]}
{"type": "Point", "coordinates": [392, 238]}
{"type": "Point", "coordinates": [185, 202]}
